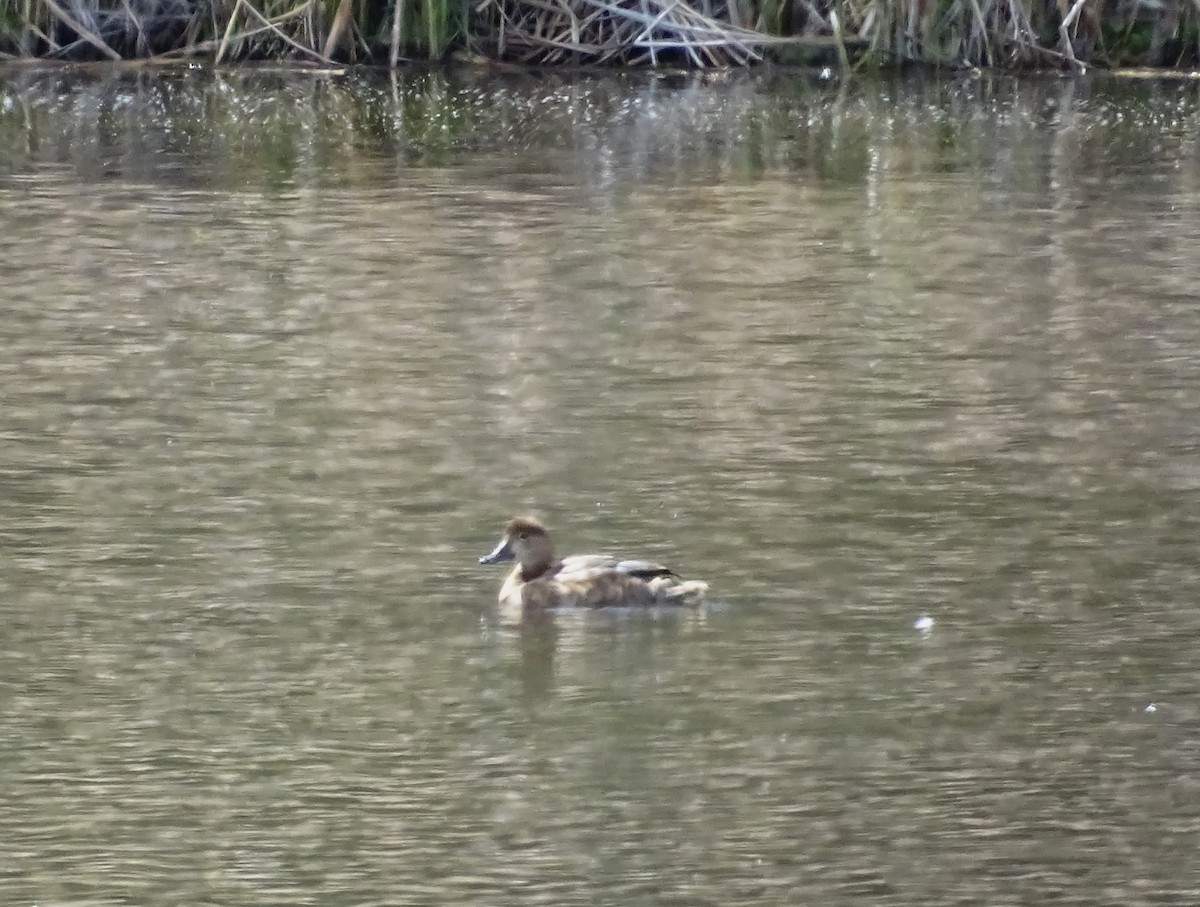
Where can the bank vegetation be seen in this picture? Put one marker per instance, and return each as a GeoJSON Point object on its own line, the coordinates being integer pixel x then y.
{"type": "Point", "coordinates": [1008, 34]}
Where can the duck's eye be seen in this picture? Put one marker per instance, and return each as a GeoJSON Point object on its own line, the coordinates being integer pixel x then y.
{"type": "Point", "coordinates": [523, 536]}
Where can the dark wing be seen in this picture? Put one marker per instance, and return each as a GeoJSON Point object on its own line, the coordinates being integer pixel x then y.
{"type": "Point", "coordinates": [643, 569]}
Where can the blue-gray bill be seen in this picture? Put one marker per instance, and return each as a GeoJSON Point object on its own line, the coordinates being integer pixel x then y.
{"type": "Point", "coordinates": [502, 552]}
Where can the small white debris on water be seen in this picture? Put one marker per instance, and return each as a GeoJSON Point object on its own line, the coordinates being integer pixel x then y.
{"type": "Point", "coordinates": [826, 74]}
{"type": "Point", "coordinates": [1150, 709]}
{"type": "Point", "coordinates": [923, 624]}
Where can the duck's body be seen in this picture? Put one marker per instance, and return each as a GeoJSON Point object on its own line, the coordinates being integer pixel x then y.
{"type": "Point", "coordinates": [541, 580]}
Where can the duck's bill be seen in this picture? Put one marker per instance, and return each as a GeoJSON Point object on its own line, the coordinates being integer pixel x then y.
{"type": "Point", "coordinates": [502, 552]}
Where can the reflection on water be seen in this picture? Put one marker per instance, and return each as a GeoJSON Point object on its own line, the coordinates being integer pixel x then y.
{"type": "Point", "coordinates": [281, 354]}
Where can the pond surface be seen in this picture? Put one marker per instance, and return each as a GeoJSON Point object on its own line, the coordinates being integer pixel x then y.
{"type": "Point", "coordinates": [282, 352]}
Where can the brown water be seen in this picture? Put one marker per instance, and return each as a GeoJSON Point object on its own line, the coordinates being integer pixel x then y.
{"type": "Point", "coordinates": [279, 354]}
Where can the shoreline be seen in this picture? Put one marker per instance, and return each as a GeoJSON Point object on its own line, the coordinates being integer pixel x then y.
{"type": "Point", "coordinates": [992, 35]}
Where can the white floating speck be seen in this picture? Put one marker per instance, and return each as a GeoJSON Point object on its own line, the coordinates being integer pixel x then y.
{"type": "Point", "coordinates": [1150, 709]}
{"type": "Point", "coordinates": [923, 624]}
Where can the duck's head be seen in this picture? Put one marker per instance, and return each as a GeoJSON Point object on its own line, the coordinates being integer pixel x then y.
{"type": "Point", "coordinates": [526, 541]}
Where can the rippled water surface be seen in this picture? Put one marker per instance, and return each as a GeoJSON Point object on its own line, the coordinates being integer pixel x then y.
{"type": "Point", "coordinates": [279, 353]}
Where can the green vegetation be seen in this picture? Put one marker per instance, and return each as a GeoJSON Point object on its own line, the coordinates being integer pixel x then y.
{"type": "Point", "coordinates": [957, 33]}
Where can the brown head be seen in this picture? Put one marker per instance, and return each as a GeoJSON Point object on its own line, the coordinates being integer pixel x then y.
{"type": "Point", "coordinates": [526, 541]}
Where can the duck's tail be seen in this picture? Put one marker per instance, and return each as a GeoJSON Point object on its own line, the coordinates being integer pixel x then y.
{"type": "Point", "coordinates": [670, 590]}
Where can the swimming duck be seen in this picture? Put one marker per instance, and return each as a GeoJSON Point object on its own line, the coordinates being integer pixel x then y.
{"type": "Point", "coordinates": [541, 580]}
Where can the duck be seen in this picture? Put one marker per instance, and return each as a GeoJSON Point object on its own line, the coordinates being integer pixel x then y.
{"type": "Point", "coordinates": [542, 581]}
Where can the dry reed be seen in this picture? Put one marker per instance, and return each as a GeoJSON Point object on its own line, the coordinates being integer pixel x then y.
{"type": "Point", "coordinates": [695, 33]}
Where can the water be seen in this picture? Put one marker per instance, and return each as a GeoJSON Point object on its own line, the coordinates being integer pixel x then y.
{"type": "Point", "coordinates": [282, 352]}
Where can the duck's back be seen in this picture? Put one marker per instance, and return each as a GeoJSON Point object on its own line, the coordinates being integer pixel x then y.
{"type": "Point", "coordinates": [579, 563]}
